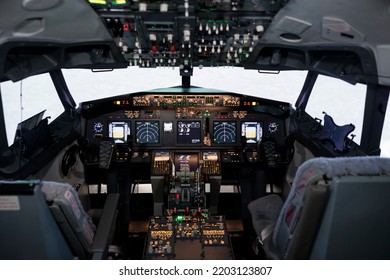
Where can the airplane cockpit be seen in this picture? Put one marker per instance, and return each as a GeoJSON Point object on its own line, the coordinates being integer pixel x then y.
{"type": "Point", "coordinates": [188, 172]}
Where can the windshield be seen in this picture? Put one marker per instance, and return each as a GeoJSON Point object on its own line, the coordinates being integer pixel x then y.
{"type": "Point", "coordinates": [343, 101]}
{"type": "Point", "coordinates": [86, 85]}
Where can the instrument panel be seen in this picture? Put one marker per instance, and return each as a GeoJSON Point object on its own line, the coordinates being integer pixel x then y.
{"type": "Point", "coordinates": [185, 121]}
{"type": "Point", "coordinates": [179, 141]}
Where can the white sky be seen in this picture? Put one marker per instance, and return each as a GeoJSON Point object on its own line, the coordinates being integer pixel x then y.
{"type": "Point", "coordinates": [344, 102]}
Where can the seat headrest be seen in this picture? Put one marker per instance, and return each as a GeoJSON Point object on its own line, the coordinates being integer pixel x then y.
{"type": "Point", "coordinates": [343, 166]}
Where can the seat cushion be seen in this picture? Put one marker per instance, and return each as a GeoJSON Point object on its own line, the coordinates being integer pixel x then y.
{"type": "Point", "coordinates": [265, 211]}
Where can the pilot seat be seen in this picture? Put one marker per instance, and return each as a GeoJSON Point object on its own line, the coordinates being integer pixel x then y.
{"type": "Point", "coordinates": [337, 208]}
{"type": "Point", "coordinates": [45, 220]}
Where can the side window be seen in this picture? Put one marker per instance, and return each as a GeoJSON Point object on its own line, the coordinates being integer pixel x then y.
{"type": "Point", "coordinates": [385, 141]}
{"type": "Point", "coordinates": [24, 99]}
{"type": "Point", "coordinates": [344, 102]}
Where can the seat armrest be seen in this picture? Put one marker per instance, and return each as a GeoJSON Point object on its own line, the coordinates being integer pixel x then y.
{"type": "Point", "coordinates": [105, 228]}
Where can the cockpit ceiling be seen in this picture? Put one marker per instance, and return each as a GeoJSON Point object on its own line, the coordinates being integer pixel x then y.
{"type": "Point", "coordinates": [343, 39]}
{"type": "Point", "coordinates": [40, 36]}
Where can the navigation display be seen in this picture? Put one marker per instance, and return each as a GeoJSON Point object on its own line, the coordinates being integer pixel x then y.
{"type": "Point", "coordinates": [188, 132]}
{"type": "Point", "coordinates": [224, 132]}
{"type": "Point", "coordinates": [252, 132]}
{"type": "Point", "coordinates": [119, 131]}
{"type": "Point", "coordinates": [147, 132]}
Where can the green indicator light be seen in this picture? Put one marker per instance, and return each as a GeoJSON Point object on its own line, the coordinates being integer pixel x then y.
{"type": "Point", "coordinates": [118, 2]}
{"type": "Point", "coordinates": [179, 218]}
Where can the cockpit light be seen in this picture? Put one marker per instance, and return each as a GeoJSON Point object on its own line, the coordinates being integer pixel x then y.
{"type": "Point", "coordinates": [104, 2]}
{"type": "Point", "coordinates": [121, 102]}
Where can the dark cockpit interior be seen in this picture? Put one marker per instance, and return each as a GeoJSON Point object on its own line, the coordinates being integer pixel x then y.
{"type": "Point", "coordinates": [185, 172]}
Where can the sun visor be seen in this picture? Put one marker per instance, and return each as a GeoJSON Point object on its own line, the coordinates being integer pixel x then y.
{"type": "Point", "coordinates": [38, 36]}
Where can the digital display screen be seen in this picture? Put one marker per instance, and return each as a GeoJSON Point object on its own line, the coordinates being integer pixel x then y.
{"type": "Point", "coordinates": [224, 132]}
{"type": "Point", "coordinates": [188, 132]}
{"type": "Point", "coordinates": [147, 132]}
{"type": "Point", "coordinates": [252, 132]}
{"type": "Point", "coordinates": [119, 131]}
{"type": "Point", "coordinates": [186, 162]}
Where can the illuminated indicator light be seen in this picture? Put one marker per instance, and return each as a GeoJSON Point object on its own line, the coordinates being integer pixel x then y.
{"type": "Point", "coordinates": [177, 196]}
{"type": "Point", "coordinates": [97, 1]}
{"type": "Point", "coordinates": [119, 2]}
{"type": "Point", "coordinates": [253, 103]}
{"type": "Point", "coordinates": [179, 218]}
{"type": "Point", "coordinates": [126, 27]}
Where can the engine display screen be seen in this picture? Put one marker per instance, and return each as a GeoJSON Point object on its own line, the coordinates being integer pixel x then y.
{"type": "Point", "coordinates": [186, 162]}
{"type": "Point", "coordinates": [188, 132]}
{"type": "Point", "coordinates": [119, 131]}
{"type": "Point", "coordinates": [147, 132]}
{"type": "Point", "coordinates": [224, 132]}
{"type": "Point", "coordinates": [252, 132]}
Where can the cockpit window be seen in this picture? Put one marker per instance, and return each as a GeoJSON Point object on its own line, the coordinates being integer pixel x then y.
{"type": "Point", "coordinates": [385, 141]}
{"type": "Point", "coordinates": [344, 102]}
{"type": "Point", "coordinates": [86, 85]}
{"type": "Point", "coordinates": [26, 98]}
